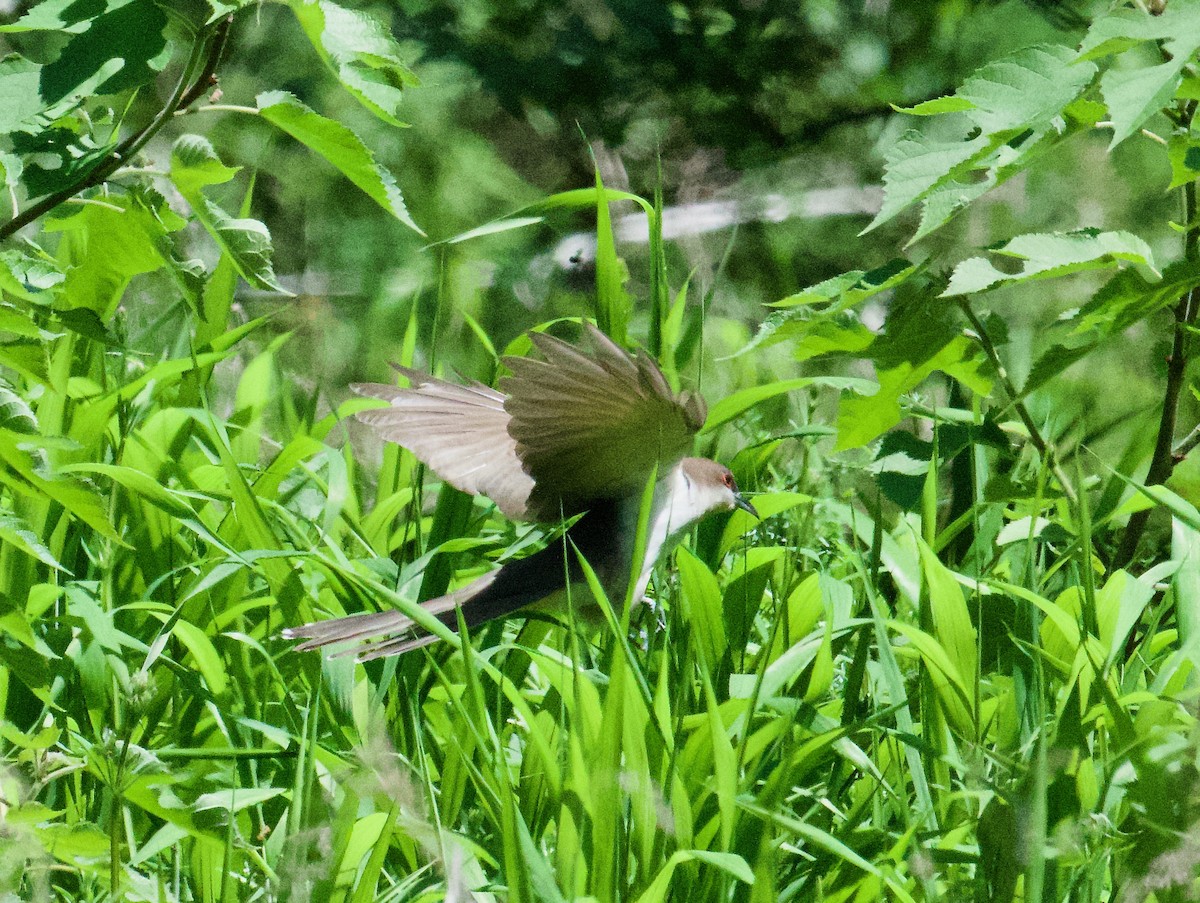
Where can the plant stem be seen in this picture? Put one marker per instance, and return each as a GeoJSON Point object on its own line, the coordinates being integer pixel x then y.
{"type": "Point", "coordinates": [1165, 457]}
{"type": "Point", "coordinates": [180, 98]}
{"type": "Point", "coordinates": [1014, 397]}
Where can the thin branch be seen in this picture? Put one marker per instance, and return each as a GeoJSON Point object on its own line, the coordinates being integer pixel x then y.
{"type": "Point", "coordinates": [180, 97]}
{"type": "Point", "coordinates": [1014, 399]}
{"type": "Point", "coordinates": [1165, 456]}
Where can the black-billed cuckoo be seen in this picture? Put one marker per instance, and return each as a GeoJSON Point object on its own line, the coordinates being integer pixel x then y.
{"type": "Point", "coordinates": [578, 433]}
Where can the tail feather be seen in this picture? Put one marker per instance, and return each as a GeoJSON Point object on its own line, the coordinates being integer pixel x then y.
{"type": "Point", "coordinates": [494, 595]}
{"type": "Point", "coordinates": [394, 628]}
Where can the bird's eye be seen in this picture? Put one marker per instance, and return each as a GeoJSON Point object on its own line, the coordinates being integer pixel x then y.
{"type": "Point", "coordinates": [727, 479]}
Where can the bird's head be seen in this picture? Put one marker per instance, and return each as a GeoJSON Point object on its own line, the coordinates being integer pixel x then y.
{"type": "Point", "coordinates": [711, 487]}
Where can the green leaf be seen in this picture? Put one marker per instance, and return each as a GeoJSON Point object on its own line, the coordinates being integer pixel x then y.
{"type": "Point", "coordinates": [730, 863]}
{"type": "Point", "coordinates": [204, 656]}
{"type": "Point", "coordinates": [1128, 298]}
{"type": "Point", "coordinates": [19, 97]}
{"type": "Point", "coordinates": [1137, 90]}
{"type": "Point", "coordinates": [1183, 152]}
{"type": "Point", "coordinates": [1025, 89]}
{"type": "Point", "coordinates": [361, 53]}
{"type": "Point", "coordinates": [104, 246]}
{"type": "Point", "coordinates": [195, 165]}
{"type": "Point", "coordinates": [121, 49]}
{"type": "Point", "coordinates": [1123, 29]}
{"type": "Point", "coordinates": [613, 304]}
{"type": "Point", "coordinates": [68, 16]}
{"type": "Point", "coordinates": [702, 606]}
{"type": "Point", "coordinates": [1045, 256]}
{"type": "Point", "coordinates": [951, 620]}
{"type": "Point", "coordinates": [919, 339]}
{"type": "Point", "coordinates": [57, 157]}
{"type": "Point", "coordinates": [26, 277]}
{"type": "Point", "coordinates": [532, 214]}
{"type": "Point", "coordinates": [246, 242]}
{"type": "Point", "coordinates": [1001, 115]}
{"type": "Point", "coordinates": [917, 163]}
{"type": "Point", "coordinates": [1134, 95]}
{"type": "Point", "coordinates": [338, 145]}
{"type": "Point", "coordinates": [830, 297]}
{"type": "Point", "coordinates": [739, 402]}
{"type": "Point", "coordinates": [15, 531]}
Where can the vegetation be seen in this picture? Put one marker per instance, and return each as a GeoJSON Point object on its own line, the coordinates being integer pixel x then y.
{"type": "Point", "coordinates": [955, 660]}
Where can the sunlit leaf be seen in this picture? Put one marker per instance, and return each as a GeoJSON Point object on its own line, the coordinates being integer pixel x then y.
{"type": "Point", "coordinates": [1044, 256]}
{"type": "Point", "coordinates": [360, 51]}
{"type": "Point", "coordinates": [338, 145]}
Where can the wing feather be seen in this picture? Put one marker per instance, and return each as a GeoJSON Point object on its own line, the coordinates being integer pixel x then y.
{"type": "Point", "coordinates": [459, 432]}
{"type": "Point", "coordinates": [591, 425]}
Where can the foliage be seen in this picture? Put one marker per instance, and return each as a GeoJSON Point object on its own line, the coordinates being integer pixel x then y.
{"type": "Point", "coordinates": [954, 660]}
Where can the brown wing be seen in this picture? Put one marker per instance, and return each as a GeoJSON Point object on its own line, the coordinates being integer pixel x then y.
{"type": "Point", "coordinates": [459, 432]}
{"type": "Point", "coordinates": [592, 425]}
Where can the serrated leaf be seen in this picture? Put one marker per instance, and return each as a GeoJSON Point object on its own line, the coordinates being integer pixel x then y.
{"type": "Point", "coordinates": [55, 158]}
{"type": "Point", "coordinates": [69, 16]}
{"type": "Point", "coordinates": [338, 145]}
{"type": "Point", "coordinates": [1134, 95]}
{"type": "Point", "coordinates": [832, 296]}
{"type": "Point", "coordinates": [16, 533]}
{"type": "Point", "coordinates": [28, 278]}
{"type": "Point", "coordinates": [1178, 25]}
{"type": "Point", "coordinates": [1025, 92]}
{"type": "Point", "coordinates": [1127, 298]}
{"type": "Point", "coordinates": [1140, 89]}
{"type": "Point", "coordinates": [1026, 88]}
{"type": "Point", "coordinates": [918, 163]}
{"type": "Point", "coordinates": [1053, 361]}
{"type": "Point", "coordinates": [1053, 254]}
{"type": "Point", "coordinates": [360, 51]}
{"type": "Point", "coordinates": [246, 242]}
{"type": "Point", "coordinates": [195, 165]}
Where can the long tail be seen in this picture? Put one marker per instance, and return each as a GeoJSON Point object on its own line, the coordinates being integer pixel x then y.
{"type": "Point", "coordinates": [391, 632]}
{"type": "Point", "coordinates": [494, 595]}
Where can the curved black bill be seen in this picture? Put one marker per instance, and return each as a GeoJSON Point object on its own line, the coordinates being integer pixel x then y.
{"type": "Point", "coordinates": [740, 502]}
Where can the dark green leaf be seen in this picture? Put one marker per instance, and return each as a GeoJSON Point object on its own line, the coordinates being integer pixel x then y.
{"type": "Point", "coordinates": [122, 48]}
{"type": "Point", "coordinates": [57, 158]}
{"type": "Point", "coordinates": [1183, 150]}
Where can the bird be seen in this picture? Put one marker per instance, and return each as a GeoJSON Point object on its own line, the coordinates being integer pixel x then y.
{"type": "Point", "coordinates": [575, 433]}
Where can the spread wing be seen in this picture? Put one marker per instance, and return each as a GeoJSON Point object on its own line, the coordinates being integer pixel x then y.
{"type": "Point", "coordinates": [591, 425]}
{"type": "Point", "coordinates": [459, 432]}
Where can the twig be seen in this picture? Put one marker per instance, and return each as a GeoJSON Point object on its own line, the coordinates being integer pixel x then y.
{"type": "Point", "coordinates": [1014, 399]}
{"type": "Point", "coordinates": [1165, 457]}
{"type": "Point", "coordinates": [180, 97]}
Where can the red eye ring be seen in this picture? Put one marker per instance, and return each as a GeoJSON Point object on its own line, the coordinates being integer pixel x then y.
{"type": "Point", "coordinates": [727, 479]}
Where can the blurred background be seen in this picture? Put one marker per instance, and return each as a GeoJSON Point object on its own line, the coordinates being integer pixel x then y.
{"type": "Point", "coordinates": [767, 120]}
{"type": "Point", "coordinates": [766, 124]}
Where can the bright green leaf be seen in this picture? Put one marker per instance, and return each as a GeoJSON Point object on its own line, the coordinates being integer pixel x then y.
{"type": "Point", "coordinates": [338, 145]}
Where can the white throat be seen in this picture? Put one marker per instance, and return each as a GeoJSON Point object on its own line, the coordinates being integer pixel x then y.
{"type": "Point", "coordinates": [678, 503]}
